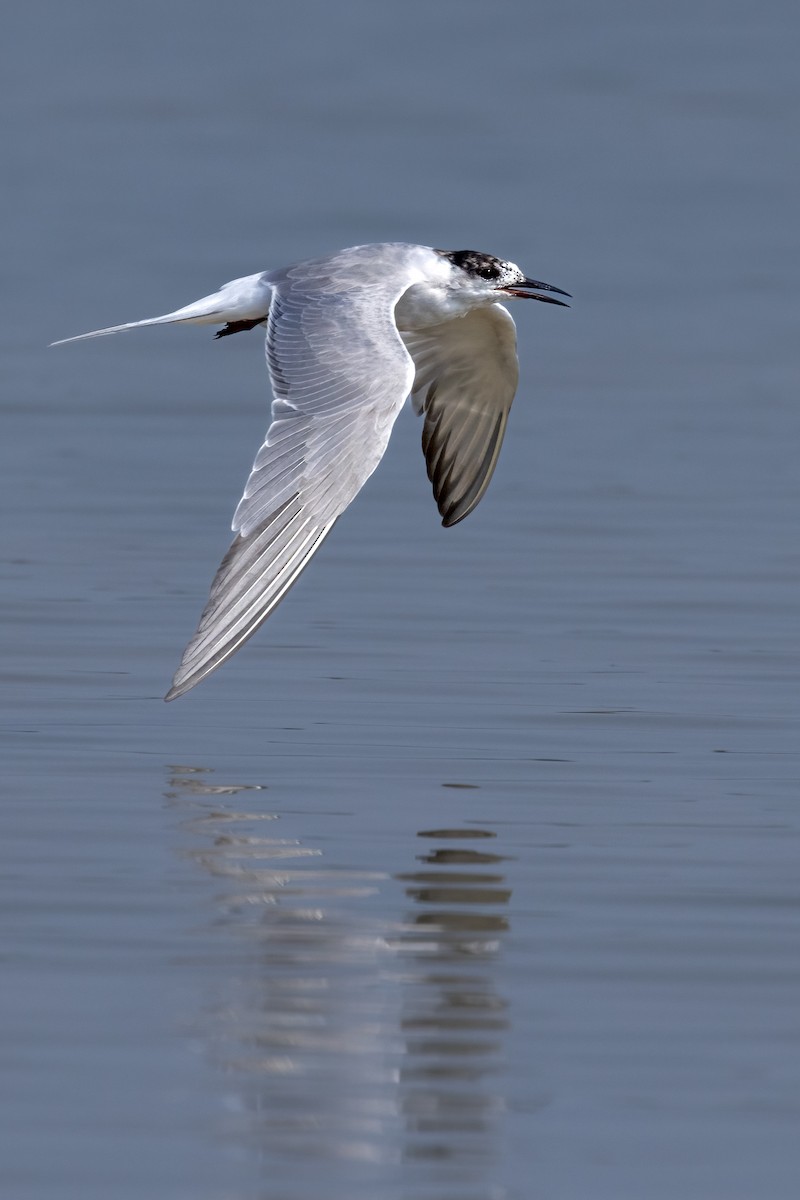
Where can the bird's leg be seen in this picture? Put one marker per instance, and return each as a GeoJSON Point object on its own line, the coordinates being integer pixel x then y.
{"type": "Point", "coordinates": [240, 326]}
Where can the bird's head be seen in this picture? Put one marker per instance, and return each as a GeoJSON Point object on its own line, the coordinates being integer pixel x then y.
{"type": "Point", "coordinates": [495, 279]}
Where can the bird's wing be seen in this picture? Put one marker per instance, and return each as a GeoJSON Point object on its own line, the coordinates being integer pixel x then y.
{"type": "Point", "coordinates": [466, 377]}
{"type": "Point", "coordinates": [340, 375]}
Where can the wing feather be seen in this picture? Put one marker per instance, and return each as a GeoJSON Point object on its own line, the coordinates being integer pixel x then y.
{"type": "Point", "coordinates": [466, 377]}
{"type": "Point", "coordinates": [340, 374]}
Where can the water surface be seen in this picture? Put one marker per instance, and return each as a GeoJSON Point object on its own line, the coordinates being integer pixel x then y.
{"type": "Point", "coordinates": [474, 875]}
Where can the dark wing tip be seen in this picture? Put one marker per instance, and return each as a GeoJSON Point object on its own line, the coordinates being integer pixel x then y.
{"type": "Point", "coordinates": [460, 479]}
{"type": "Point", "coordinates": [452, 518]}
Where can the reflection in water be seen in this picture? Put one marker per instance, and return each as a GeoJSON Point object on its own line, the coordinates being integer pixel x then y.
{"type": "Point", "coordinates": [347, 1032]}
{"type": "Point", "coordinates": [453, 1019]}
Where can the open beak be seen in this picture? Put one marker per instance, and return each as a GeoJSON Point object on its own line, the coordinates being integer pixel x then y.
{"type": "Point", "coordinates": [528, 288]}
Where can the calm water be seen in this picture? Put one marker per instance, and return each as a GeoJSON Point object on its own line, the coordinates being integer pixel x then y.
{"type": "Point", "coordinates": [475, 875]}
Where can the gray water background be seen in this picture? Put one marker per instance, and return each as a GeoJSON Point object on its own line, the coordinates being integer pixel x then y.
{"type": "Point", "coordinates": [474, 876]}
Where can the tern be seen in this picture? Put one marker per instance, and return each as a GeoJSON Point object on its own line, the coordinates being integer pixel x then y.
{"type": "Point", "coordinates": [349, 338]}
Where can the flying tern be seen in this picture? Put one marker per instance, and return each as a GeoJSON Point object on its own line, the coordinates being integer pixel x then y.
{"type": "Point", "coordinates": [348, 338]}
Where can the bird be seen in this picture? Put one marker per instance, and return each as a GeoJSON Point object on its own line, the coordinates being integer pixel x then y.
{"type": "Point", "coordinates": [349, 338]}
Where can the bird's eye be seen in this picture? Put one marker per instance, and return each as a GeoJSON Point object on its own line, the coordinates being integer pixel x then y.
{"type": "Point", "coordinates": [478, 265]}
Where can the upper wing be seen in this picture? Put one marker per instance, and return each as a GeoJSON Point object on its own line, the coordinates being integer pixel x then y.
{"type": "Point", "coordinates": [340, 375]}
{"type": "Point", "coordinates": [466, 377]}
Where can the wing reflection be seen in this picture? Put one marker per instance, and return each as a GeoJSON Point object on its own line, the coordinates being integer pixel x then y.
{"type": "Point", "coordinates": [347, 1030]}
{"type": "Point", "coordinates": [453, 1017]}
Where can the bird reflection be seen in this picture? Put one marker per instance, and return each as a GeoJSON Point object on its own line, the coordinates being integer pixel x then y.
{"type": "Point", "coordinates": [453, 1017]}
{"type": "Point", "coordinates": [349, 1029]}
